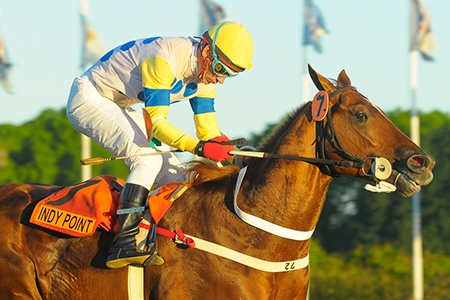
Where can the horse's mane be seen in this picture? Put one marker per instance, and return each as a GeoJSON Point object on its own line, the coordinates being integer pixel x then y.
{"type": "Point", "coordinates": [272, 139]}
{"type": "Point", "coordinates": [200, 172]}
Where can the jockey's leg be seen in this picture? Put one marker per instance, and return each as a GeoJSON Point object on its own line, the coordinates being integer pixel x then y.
{"type": "Point", "coordinates": [118, 128]}
{"type": "Point", "coordinates": [124, 251]}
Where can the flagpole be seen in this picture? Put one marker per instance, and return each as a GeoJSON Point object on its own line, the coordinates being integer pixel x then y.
{"type": "Point", "coordinates": [313, 28]}
{"type": "Point", "coordinates": [305, 77]}
{"type": "Point", "coordinates": [86, 171]}
{"type": "Point", "coordinates": [417, 255]}
{"type": "Point", "coordinates": [305, 96]}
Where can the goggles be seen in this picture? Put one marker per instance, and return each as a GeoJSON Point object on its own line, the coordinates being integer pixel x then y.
{"type": "Point", "coordinates": [218, 67]}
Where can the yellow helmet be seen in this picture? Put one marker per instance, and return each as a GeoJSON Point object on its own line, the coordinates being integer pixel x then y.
{"type": "Point", "coordinates": [233, 44]}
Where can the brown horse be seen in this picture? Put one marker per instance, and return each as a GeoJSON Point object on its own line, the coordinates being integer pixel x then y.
{"type": "Point", "coordinates": [281, 196]}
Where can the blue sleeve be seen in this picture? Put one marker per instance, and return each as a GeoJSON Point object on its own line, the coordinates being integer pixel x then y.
{"type": "Point", "coordinates": [155, 97]}
{"type": "Point", "coordinates": [202, 105]}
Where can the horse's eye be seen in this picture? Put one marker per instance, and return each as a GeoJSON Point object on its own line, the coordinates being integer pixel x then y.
{"type": "Point", "coordinates": [360, 116]}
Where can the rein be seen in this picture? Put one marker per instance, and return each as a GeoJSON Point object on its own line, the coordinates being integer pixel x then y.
{"type": "Point", "coordinates": [353, 163]}
{"type": "Point", "coordinates": [321, 130]}
{"type": "Point", "coordinates": [380, 167]}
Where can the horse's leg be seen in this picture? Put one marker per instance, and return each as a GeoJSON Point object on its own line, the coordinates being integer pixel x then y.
{"type": "Point", "coordinates": [17, 273]}
{"type": "Point", "coordinates": [81, 273]}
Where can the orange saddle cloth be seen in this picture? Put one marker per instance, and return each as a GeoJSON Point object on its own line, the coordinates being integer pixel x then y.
{"type": "Point", "coordinates": [80, 209]}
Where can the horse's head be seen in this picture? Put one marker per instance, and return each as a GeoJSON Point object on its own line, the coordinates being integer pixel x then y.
{"type": "Point", "coordinates": [355, 129]}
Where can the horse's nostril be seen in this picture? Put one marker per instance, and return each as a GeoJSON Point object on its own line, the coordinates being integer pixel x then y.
{"type": "Point", "coordinates": [419, 161]}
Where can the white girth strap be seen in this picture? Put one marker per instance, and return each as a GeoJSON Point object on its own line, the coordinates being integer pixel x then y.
{"type": "Point", "coordinates": [263, 224]}
{"type": "Point", "coordinates": [250, 261]}
{"type": "Point", "coordinates": [135, 283]}
{"type": "Point", "coordinates": [263, 265]}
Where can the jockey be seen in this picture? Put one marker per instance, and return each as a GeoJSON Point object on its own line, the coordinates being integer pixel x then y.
{"type": "Point", "coordinates": [156, 72]}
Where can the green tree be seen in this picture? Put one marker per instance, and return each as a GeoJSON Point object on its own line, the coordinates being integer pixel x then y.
{"type": "Point", "coordinates": [47, 150]}
{"type": "Point", "coordinates": [380, 272]}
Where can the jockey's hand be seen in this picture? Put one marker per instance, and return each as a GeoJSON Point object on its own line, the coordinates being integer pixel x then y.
{"type": "Point", "coordinates": [213, 150]}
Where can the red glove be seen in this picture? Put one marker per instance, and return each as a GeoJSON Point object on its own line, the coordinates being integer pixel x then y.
{"type": "Point", "coordinates": [213, 150]}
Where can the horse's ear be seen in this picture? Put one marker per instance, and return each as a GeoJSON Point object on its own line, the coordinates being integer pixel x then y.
{"type": "Point", "coordinates": [322, 83]}
{"type": "Point", "coordinates": [343, 79]}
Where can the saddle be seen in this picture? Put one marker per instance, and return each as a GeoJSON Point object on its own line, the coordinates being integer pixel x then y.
{"type": "Point", "coordinates": [81, 209]}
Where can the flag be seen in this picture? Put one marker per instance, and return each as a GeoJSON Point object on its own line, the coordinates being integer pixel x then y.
{"type": "Point", "coordinates": [5, 67]}
{"type": "Point", "coordinates": [313, 25]}
{"type": "Point", "coordinates": [421, 35]}
{"type": "Point", "coordinates": [92, 48]}
{"type": "Point", "coordinates": [210, 15]}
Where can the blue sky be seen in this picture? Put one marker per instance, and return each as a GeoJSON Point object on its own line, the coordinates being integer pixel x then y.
{"type": "Point", "coordinates": [369, 39]}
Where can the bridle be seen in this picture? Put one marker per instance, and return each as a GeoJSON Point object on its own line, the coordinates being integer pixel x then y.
{"type": "Point", "coordinates": [380, 166]}
{"type": "Point", "coordinates": [322, 129]}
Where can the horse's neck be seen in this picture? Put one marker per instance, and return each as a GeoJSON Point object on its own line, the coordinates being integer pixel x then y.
{"type": "Point", "coordinates": [289, 193]}
{"type": "Point", "coordinates": [293, 198]}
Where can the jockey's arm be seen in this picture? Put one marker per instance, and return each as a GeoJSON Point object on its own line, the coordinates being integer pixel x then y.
{"type": "Point", "coordinates": [157, 78]}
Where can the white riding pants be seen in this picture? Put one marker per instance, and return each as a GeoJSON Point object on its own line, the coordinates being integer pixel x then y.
{"type": "Point", "coordinates": [122, 132]}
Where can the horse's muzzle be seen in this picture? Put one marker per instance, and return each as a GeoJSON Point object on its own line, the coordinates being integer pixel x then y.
{"type": "Point", "coordinates": [408, 176]}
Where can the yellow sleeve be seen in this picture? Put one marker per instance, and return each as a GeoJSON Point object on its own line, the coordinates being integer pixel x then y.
{"type": "Point", "coordinates": [168, 133]}
{"type": "Point", "coordinates": [206, 126]}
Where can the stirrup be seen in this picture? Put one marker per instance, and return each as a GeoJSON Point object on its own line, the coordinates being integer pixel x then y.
{"type": "Point", "coordinates": [152, 246]}
{"type": "Point", "coordinates": [154, 260]}
{"type": "Point", "coordinates": [115, 260]}
{"type": "Point", "coordinates": [135, 257]}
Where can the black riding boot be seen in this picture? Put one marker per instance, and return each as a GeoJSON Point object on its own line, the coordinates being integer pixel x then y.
{"type": "Point", "coordinates": [124, 251]}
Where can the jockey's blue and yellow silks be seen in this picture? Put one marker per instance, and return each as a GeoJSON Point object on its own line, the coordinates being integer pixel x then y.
{"type": "Point", "coordinates": [205, 126]}
{"type": "Point", "coordinates": [202, 105]}
{"type": "Point", "coordinates": [158, 72]}
{"type": "Point", "coordinates": [169, 134]}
